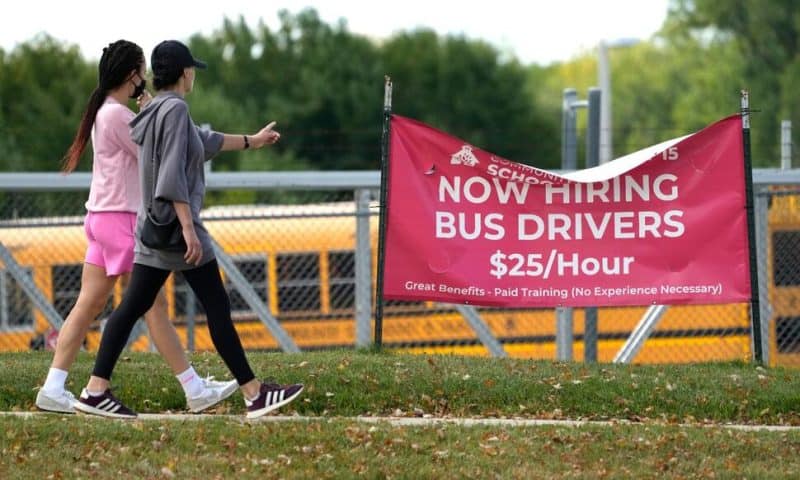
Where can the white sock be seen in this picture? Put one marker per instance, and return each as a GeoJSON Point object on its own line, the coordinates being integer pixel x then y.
{"type": "Point", "coordinates": [248, 401]}
{"type": "Point", "coordinates": [191, 382]}
{"type": "Point", "coordinates": [55, 381]}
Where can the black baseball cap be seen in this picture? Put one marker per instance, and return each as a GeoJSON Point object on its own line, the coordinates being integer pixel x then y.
{"type": "Point", "coordinates": [171, 54]}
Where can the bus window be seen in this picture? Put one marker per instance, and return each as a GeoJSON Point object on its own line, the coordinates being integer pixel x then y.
{"type": "Point", "coordinates": [342, 279]}
{"type": "Point", "coordinates": [787, 334]}
{"type": "Point", "coordinates": [17, 312]}
{"type": "Point", "coordinates": [298, 282]}
{"type": "Point", "coordinates": [254, 270]}
{"type": "Point", "coordinates": [67, 285]}
{"type": "Point", "coordinates": [786, 258]}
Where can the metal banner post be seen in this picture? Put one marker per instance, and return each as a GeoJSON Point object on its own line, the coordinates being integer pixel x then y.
{"type": "Point", "coordinates": [755, 303]}
{"type": "Point", "coordinates": [387, 117]}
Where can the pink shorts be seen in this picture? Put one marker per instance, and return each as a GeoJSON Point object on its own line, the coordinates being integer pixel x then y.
{"type": "Point", "coordinates": [111, 240]}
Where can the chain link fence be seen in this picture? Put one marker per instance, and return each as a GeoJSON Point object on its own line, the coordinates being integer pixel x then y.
{"type": "Point", "coordinates": [299, 241]}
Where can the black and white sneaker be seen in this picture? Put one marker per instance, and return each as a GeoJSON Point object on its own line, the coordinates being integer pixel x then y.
{"type": "Point", "coordinates": [271, 397]}
{"type": "Point", "coordinates": [105, 405]}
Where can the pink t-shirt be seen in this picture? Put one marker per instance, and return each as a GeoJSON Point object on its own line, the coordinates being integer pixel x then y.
{"type": "Point", "coordinates": [115, 174]}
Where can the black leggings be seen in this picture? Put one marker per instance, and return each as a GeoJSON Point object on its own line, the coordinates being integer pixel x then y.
{"type": "Point", "coordinates": [140, 295]}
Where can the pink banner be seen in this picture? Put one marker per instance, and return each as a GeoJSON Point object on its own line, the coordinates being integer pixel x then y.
{"type": "Point", "coordinates": [666, 225]}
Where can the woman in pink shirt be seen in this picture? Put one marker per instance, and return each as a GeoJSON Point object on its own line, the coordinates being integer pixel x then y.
{"type": "Point", "coordinates": [114, 197]}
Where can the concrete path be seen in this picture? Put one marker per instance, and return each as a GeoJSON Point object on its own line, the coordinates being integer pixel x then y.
{"type": "Point", "coordinates": [419, 421]}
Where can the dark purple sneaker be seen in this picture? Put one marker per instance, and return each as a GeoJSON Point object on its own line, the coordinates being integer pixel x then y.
{"type": "Point", "coordinates": [272, 396]}
{"type": "Point", "coordinates": [105, 405]}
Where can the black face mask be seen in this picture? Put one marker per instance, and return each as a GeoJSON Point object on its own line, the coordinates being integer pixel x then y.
{"type": "Point", "coordinates": [138, 89]}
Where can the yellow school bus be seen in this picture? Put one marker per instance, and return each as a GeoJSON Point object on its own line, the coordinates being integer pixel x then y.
{"type": "Point", "coordinates": [301, 262]}
{"type": "Point", "coordinates": [783, 275]}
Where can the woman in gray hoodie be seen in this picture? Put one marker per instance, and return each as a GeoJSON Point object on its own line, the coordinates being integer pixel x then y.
{"type": "Point", "coordinates": [172, 150]}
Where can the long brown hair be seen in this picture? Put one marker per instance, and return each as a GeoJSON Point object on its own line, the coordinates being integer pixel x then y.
{"type": "Point", "coordinates": [119, 59]}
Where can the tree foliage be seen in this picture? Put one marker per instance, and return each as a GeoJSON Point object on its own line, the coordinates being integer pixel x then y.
{"type": "Point", "coordinates": [691, 74]}
{"type": "Point", "coordinates": [322, 83]}
{"type": "Point", "coordinates": [43, 89]}
{"type": "Point", "coordinates": [755, 41]}
{"type": "Point", "coordinates": [463, 88]}
{"type": "Point", "coordinates": [324, 86]}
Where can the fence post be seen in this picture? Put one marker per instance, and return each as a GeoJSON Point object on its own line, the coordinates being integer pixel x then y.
{"type": "Point", "coordinates": [786, 144]}
{"type": "Point", "coordinates": [592, 160]}
{"type": "Point", "coordinates": [761, 214]}
{"type": "Point", "coordinates": [363, 266]}
{"type": "Point", "coordinates": [569, 161]}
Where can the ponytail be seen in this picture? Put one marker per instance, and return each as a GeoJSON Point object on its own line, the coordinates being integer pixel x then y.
{"type": "Point", "coordinates": [73, 156]}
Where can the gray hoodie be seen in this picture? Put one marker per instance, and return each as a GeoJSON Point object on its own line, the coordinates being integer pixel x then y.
{"type": "Point", "coordinates": [164, 130]}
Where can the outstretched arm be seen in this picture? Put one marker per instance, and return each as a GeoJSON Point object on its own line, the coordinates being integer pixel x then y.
{"type": "Point", "coordinates": [265, 136]}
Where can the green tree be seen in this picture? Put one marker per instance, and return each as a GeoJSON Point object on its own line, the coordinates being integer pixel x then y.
{"type": "Point", "coordinates": [322, 84]}
{"type": "Point", "coordinates": [465, 88]}
{"type": "Point", "coordinates": [661, 89]}
{"type": "Point", "coordinates": [44, 86]}
{"type": "Point", "coordinates": [766, 36]}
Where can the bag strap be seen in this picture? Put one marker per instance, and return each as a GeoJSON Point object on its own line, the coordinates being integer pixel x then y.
{"type": "Point", "coordinates": [158, 127]}
{"type": "Point", "coordinates": [152, 195]}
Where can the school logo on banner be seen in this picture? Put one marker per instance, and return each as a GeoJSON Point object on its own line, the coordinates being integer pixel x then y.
{"type": "Point", "coordinates": [464, 157]}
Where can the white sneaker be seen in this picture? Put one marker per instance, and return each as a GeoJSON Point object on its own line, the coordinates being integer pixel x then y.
{"type": "Point", "coordinates": [231, 385]}
{"type": "Point", "coordinates": [62, 403]}
{"type": "Point", "coordinates": [213, 393]}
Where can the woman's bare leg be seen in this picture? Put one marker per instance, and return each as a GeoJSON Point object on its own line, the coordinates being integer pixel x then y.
{"type": "Point", "coordinates": [95, 290]}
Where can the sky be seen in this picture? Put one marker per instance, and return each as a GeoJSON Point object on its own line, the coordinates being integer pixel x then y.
{"type": "Point", "coordinates": [535, 31]}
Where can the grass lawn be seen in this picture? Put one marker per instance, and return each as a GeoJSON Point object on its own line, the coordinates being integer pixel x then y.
{"type": "Point", "coordinates": [344, 384]}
